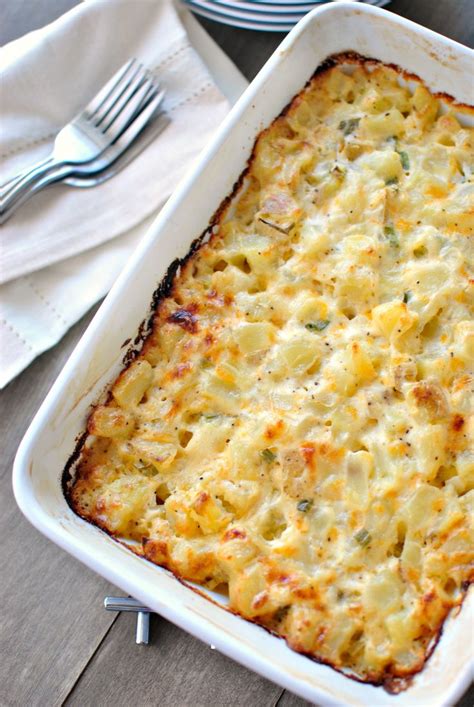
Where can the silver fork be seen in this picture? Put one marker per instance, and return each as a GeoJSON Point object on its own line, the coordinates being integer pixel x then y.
{"type": "Point", "coordinates": [93, 173]}
{"type": "Point", "coordinates": [144, 117]}
{"type": "Point", "coordinates": [93, 130]}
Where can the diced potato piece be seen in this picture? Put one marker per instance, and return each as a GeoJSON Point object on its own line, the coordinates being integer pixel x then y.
{"type": "Point", "coordinates": [379, 101]}
{"type": "Point", "coordinates": [340, 377]}
{"type": "Point", "coordinates": [133, 384]}
{"type": "Point", "coordinates": [383, 125]}
{"type": "Point", "coordinates": [453, 217]}
{"type": "Point", "coordinates": [228, 374]}
{"type": "Point", "coordinates": [464, 341]}
{"type": "Point", "coordinates": [427, 278]}
{"type": "Point", "coordinates": [377, 650]}
{"type": "Point", "coordinates": [427, 401]}
{"type": "Point", "coordinates": [315, 239]}
{"type": "Point", "coordinates": [385, 163]}
{"type": "Point", "coordinates": [359, 468]}
{"type": "Point", "coordinates": [123, 501]}
{"type": "Point", "coordinates": [163, 343]}
{"type": "Point", "coordinates": [299, 354]}
{"type": "Point", "coordinates": [300, 116]}
{"type": "Point", "coordinates": [423, 507]}
{"type": "Point", "coordinates": [362, 250]}
{"type": "Point", "coordinates": [258, 252]}
{"type": "Point", "coordinates": [300, 160]}
{"type": "Point", "coordinates": [107, 421]}
{"type": "Point", "coordinates": [302, 623]}
{"type": "Point", "coordinates": [236, 550]}
{"type": "Point", "coordinates": [158, 454]}
{"type": "Point", "coordinates": [411, 556]}
{"type": "Point", "coordinates": [403, 368]}
{"type": "Point", "coordinates": [232, 280]}
{"type": "Point", "coordinates": [279, 209]}
{"type": "Point", "coordinates": [451, 516]}
{"type": "Point", "coordinates": [351, 369]}
{"type": "Point", "coordinates": [462, 396]}
{"type": "Point", "coordinates": [239, 496]}
{"type": "Point", "coordinates": [244, 588]}
{"type": "Point", "coordinates": [465, 469]}
{"type": "Point", "coordinates": [467, 500]}
{"type": "Point", "coordinates": [291, 474]}
{"type": "Point", "coordinates": [425, 105]}
{"type": "Point", "coordinates": [375, 102]}
{"type": "Point", "coordinates": [239, 457]}
{"type": "Point", "coordinates": [266, 159]}
{"type": "Point", "coordinates": [402, 628]}
{"type": "Point", "coordinates": [360, 363]}
{"type": "Point", "coordinates": [209, 513]}
{"type": "Point", "coordinates": [209, 439]}
{"type": "Point", "coordinates": [356, 288]}
{"type": "Point", "coordinates": [179, 517]}
{"type": "Point", "coordinates": [339, 85]}
{"type": "Point", "coordinates": [194, 560]}
{"type": "Point", "coordinates": [461, 541]}
{"type": "Point", "coordinates": [262, 306]}
{"type": "Point", "coordinates": [339, 635]}
{"type": "Point", "coordinates": [309, 309]}
{"type": "Point", "coordinates": [431, 449]}
{"type": "Point", "coordinates": [322, 522]}
{"type": "Point", "coordinates": [393, 319]}
{"type": "Point", "coordinates": [219, 397]}
{"type": "Point", "coordinates": [433, 368]}
{"type": "Point", "coordinates": [254, 336]}
{"type": "Point", "coordinates": [383, 593]}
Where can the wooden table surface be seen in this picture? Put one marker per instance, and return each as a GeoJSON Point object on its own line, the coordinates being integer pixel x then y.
{"type": "Point", "coordinates": [57, 644]}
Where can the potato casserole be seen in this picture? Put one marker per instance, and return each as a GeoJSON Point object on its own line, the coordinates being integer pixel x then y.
{"type": "Point", "coordinates": [297, 428]}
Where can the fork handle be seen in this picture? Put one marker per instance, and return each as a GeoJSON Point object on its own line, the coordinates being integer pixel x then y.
{"type": "Point", "coordinates": [7, 186]}
{"type": "Point", "coordinates": [50, 175]}
{"type": "Point", "coordinates": [24, 184]}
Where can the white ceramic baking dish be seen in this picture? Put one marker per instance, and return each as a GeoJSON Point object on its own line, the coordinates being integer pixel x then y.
{"type": "Point", "coordinates": [445, 67]}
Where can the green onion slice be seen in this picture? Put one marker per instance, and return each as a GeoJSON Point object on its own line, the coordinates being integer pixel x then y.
{"type": "Point", "coordinates": [304, 505]}
{"type": "Point", "coordinates": [405, 160]}
{"type": "Point", "coordinates": [349, 126]}
{"type": "Point", "coordinates": [318, 325]}
{"type": "Point", "coordinates": [391, 236]}
{"type": "Point", "coordinates": [363, 537]}
{"type": "Point", "coordinates": [268, 455]}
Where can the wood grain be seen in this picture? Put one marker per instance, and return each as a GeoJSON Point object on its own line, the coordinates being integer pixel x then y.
{"type": "Point", "coordinates": [52, 616]}
{"type": "Point", "coordinates": [289, 700]}
{"type": "Point", "coordinates": [57, 644]}
{"type": "Point", "coordinates": [453, 18]}
{"type": "Point", "coordinates": [176, 669]}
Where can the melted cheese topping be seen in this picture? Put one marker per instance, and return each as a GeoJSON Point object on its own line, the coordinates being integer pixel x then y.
{"type": "Point", "coordinates": [298, 426]}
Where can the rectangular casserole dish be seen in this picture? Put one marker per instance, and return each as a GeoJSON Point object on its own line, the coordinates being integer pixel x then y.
{"type": "Point", "coordinates": [444, 66]}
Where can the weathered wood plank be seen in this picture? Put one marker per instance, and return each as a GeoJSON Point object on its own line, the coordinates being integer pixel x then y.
{"type": "Point", "coordinates": [453, 18]}
{"type": "Point", "coordinates": [175, 669]}
{"type": "Point", "coordinates": [289, 700]}
{"type": "Point", "coordinates": [52, 617]}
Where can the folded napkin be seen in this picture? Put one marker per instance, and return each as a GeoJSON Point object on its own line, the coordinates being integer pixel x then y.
{"type": "Point", "coordinates": [62, 251]}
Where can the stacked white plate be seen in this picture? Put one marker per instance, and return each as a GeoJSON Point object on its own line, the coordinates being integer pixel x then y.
{"type": "Point", "coordinates": [264, 15]}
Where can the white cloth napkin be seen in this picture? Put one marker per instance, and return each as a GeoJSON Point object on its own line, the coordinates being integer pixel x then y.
{"type": "Point", "coordinates": [62, 251]}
